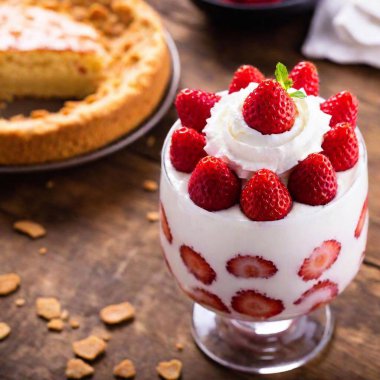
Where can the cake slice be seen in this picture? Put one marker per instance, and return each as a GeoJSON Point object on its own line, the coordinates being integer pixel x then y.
{"type": "Point", "coordinates": [46, 54]}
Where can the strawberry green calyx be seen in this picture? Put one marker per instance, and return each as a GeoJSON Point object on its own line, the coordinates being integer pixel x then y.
{"type": "Point", "coordinates": [282, 77]}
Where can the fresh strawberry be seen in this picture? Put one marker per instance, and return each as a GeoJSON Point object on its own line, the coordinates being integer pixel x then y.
{"type": "Point", "coordinates": [363, 214]}
{"type": "Point", "coordinates": [213, 185]}
{"type": "Point", "coordinates": [343, 107]}
{"type": "Point", "coordinates": [265, 197]}
{"type": "Point", "coordinates": [186, 149]}
{"type": "Point", "coordinates": [269, 109]}
{"type": "Point", "coordinates": [247, 266]}
{"type": "Point", "coordinates": [305, 75]}
{"type": "Point", "coordinates": [313, 181]}
{"type": "Point", "coordinates": [256, 305]}
{"type": "Point", "coordinates": [320, 294]}
{"type": "Point", "coordinates": [341, 146]}
{"type": "Point", "coordinates": [208, 299]}
{"type": "Point", "coordinates": [194, 107]}
{"type": "Point", "coordinates": [197, 265]}
{"type": "Point", "coordinates": [165, 225]}
{"type": "Point", "coordinates": [245, 75]}
{"type": "Point", "coordinates": [322, 258]}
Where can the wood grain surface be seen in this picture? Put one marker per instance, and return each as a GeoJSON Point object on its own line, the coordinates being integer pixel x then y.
{"type": "Point", "coordinates": [102, 250]}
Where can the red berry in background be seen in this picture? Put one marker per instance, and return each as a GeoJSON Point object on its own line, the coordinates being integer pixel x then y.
{"type": "Point", "coordinates": [343, 107]}
{"type": "Point", "coordinates": [305, 75]}
{"type": "Point", "coordinates": [256, 305]}
{"type": "Point", "coordinates": [341, 146]}
{"type": "Point", "coordinates": [265, 197]}
{"type": "Point", "coordinates": [313, 181]}
{"type": "Point", "coordinates": [186, 149]}
{"type": "Point", "coordinates": [269, 109]}
{"type": "Point", "coordinates": [213, 186]}
{"type": "Point", "coordinates": [245, 75]}
{"type": "Point", "coordinates": [194, 107]}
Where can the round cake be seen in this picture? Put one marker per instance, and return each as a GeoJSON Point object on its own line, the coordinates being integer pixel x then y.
{"type": "Point", "coordinates": [113, 64]}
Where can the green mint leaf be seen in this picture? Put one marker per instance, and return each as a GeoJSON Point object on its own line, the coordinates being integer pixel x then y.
{"type": "Point", "coordinates": [298, 95]}
{"type": "Point", "coordinates": [282, 76]}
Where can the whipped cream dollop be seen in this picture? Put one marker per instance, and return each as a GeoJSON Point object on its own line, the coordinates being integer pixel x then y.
{"type": "Point", "coordinates": [247, 150]}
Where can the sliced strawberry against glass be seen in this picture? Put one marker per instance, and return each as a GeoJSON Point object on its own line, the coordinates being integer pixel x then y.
{"type": "Point", "coordinates": [197, 265]}
{"type": "Point", "coordinates": [256, 305]}
{"type": "Point", "coordinates": [320, 294]}
{"type": "Point", "coordinates": [194, 107]}
{"type": "Point", "coordinates": [208, 299]}
{"type": "Point", "coordinates": [321, 259]}
{"type": "Point", "coordinates": [165, 224]}
{"type": "Point", "coordinates": [248, 266]}
{"type": "Point", "coordinates": [363, 214]}
{"type": "Point", "coordinates": [245, 75]}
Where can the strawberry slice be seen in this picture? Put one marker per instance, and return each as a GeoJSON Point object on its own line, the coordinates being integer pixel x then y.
{"type": "Point", "coordinates": [165, 225]}
{"type": "Point", "coordinates": [197, 265]}
{"type": "Point", "coordinates": [166, 261]}
{"type": "Point", "coordinates": [363, 214]}
{"type": "Point", "coordinates": [208, 299]}
{"type": "Point", "coordinates": [319, 295]}
{"type": "Point", "coordinates": [247, 266]}
{"type": "Point", "coordinates": [256, 305]}
{"type": "Point", "coordinates": [322, 258]}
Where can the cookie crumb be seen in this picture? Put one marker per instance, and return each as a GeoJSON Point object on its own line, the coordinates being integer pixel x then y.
{"type": "Point", "coordinates": [48, 308]}
{"type": "Point", "coordinates": [150, 185]}
{"type": "Point", "coordinates": [43, 251]}
{"type": "Point", "coordinates": [56, 324]}
{"type": "Point", "coordinates": [65, 315]}
{"type": "Point", "coordinates": [50, 184]}
{"type": "Point", "coordinates": [77, 369]}
{"type": "Point", "coordinates": [170, 370]}
{"type": "Point", "coordinates": [30, 228]}
{"type": "Point", "coordinates": [89, 348]}
{"type": "Point", "coordinates": [102, 334]}
{"type": "Point", "coordinates": [19, 302]}
{"type": "Point", "coordinates": [152, 216]}
{"type": "Point", "coordinates": [179, 346]}
{"type": "Point", "coordinates": [150, 141]}
{"type": "Point", "coordinates": [125, 369]}
{"type": "Point", "coordinates": [9, 283]}
{"type": "Point", "coordinates": [5, 330]}
{"type": "Point", "coordinates": [74, 324]}
{"type": "Point", "coordinates": [114, 314]}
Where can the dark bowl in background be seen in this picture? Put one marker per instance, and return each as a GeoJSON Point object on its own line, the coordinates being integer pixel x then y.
{"type": "Point", "coordinates": [219, 9]}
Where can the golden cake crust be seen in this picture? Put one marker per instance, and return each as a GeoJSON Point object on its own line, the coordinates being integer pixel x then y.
{"type": "Point", "coordinates": [134, 84]}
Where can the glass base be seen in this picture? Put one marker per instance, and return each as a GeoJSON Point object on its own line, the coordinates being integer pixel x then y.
{"type": "Point", "coordinates": [262, 347]}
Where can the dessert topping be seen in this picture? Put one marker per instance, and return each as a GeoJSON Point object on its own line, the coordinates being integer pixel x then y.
{"type": "Point", "coordinates": [245, 75]}
{"type": "Point", "coordinates": [305, 76]}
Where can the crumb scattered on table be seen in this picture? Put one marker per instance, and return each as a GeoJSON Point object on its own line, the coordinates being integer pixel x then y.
{"type": "Point", "coordinates": [9, 283]}
{"type": "Point", "coordinates": [5, 330]}
{"type": "Point", "coordinates": [74, 323]}
{"type": "Point", "coordinates": [48, 308]}
{"type": "Point", "coordinates": [56, 324]}
{"type": "Point", "coordinates": [170, 370]}
{"type": "Point", "coordinates": [150, 141]}
{"type": "Point", "coordinates": [65, 315]}
{"type": "Point", "coordinates": [89, 348]}
{"type": "Point", "coordinates": [125, 369]}
{"type": "Point", "coordinates": [30, 228]}
{"type": "Point", "coordinates": [153, 216]}
{"type": "Point", "coordinates": [20, 302]}
{"type": "Point", "coordinates": [150, 185]}
{"type": "Point", "coordinates": [77, 369]}
{"type": "Point", "coordinates": [102, 334]}
{"type": "Point", "coordinates": [43, 251]}
{"type": "Point", "coordinates": [114, 314]}
{"type": "Point", "coordinates": [179, 346]}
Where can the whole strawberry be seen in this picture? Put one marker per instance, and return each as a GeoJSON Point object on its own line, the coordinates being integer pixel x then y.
{"type": "Point", "coordinates": [313, 181]}
{"type": "Point", "coordinates": [265, 197]}
{"type": "Point", "coordinates": [186, 149]}
{"type": "Point", "coordinates": [245, 75]}
{"type": "Point", "coordinates": [341, 146]}
{"type": "Point", "coordinates": [343, 107]}
{"type": "Point", "coordinates": [194, 107]}
{"type": "Point", "coordinates": [305, 75]}
{"type": "Point", "coordinates": [269, 109]}
{"type": "Point", "coordinates": [213, 186]}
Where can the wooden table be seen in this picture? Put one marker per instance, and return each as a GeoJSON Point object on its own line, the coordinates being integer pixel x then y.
{"type": "Point", "coordinates": [102, 250]}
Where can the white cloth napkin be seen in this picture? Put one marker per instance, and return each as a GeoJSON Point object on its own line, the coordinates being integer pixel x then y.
{"type": "Point", "coordinates": [345, 31]}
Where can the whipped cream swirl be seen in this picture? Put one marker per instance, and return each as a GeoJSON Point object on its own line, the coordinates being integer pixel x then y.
{"type": "Point", "coordinates": [247, 150]}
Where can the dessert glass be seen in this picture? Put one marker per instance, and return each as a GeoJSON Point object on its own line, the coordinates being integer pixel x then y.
{"type": "Point", "coordinates": [301, 322]}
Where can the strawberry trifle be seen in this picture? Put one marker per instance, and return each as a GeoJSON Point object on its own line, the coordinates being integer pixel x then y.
{"type": "Point", "coordinates": [264, 211]}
